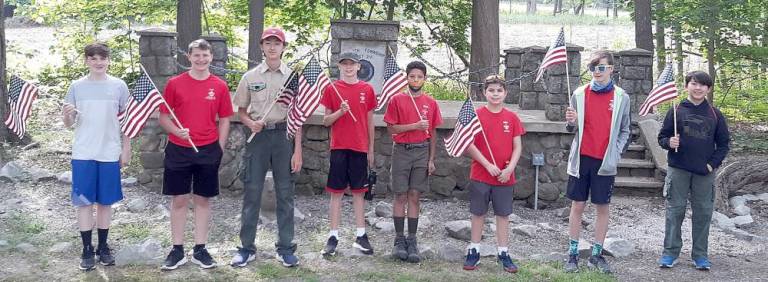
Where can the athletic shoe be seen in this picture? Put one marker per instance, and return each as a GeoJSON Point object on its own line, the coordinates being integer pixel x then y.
{"type": "Point", "coordinates": [667, 261]}
{"type": "Point", "coordinates": [362, 244]}
{"type": "Point", "coordinates": [242, 257]}
{"type": "Point", "coordinates": [401, 248]}
{"type": "Point", "coordinates": [175, 259]}
{"type": "Point", "coordinates": [573, 263]}
{"type": "Point", "coordinates": [105, 256]}
{"type": "Point", "coordinates": [201, 257]}
{"type": "Point", "coordinates": [507, 263]}
{"type": "Point", "coordinates": [87, 260]}
{"type": "Point", "coordinates": [599, 263]}
{"type": "Point", "coordinates": [330, 246]}
{"type": "Point", "coordinates": [473, 259]}
{"type": "Point", "coordinates": [288, 260]}
{"type": "Point", "coordinates": [702, 263]}
{"type": "Point", "coordinates": [413, 249]}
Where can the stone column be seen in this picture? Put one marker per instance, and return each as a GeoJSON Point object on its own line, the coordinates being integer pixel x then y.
{"type": "Point", "coordinates": [513, 68]}
{"type": "Point", "coordinates": [220, 52]}
{"type": "Point", "coordinates": [532, 94]}
{"type": "Point", "coordinates": [157, 49]}
{"type": "Point", "coordinates": [372, 40]}
{"type": "Point", "coordinates": [636, 75]}
{"type": "Point", "coordinates": [557, 83]}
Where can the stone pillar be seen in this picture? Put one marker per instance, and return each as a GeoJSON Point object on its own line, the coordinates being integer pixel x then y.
{"type": "Point", "coordinates": [557, 83]}
{"type": "Point", "coordinates": [532, 94]}
{"type": "Point", "coordinates": [157, 49]}
{"type": "Point", "coordinates": [372, 40]}
{"type": "Point", "coordinates": [635, 75]}
{"type": "Point", "coordinates": [513, 68]}
{"type": "Point", "coordinates": [220, 52]}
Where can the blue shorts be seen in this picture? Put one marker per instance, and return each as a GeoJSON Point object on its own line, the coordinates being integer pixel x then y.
{"type": "Point", "coordinates": [95, 182]}
{"type": "Point", "coordinates": [589, 184]}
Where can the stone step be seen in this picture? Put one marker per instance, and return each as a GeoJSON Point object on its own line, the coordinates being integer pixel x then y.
{"type": "Point", "coordinates": [636, 163]}
{"type": "Point", "coordinates": [636, 147]}
{"type": "Point", "coordinates": [637, 172]}
{"type": "Point", "coordinates": [638, 182]}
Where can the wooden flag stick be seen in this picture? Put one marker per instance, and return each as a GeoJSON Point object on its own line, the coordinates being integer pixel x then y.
{"type": "Point", "coordinates": [674, 120]}
{"type": "Point", "coordinates": [272, 106]}
{"type": "Point", "coordinates": [342, 99]}
{"type": "Point", "coordinates": [482, 130]}
{"type": "Point", "coordinates": [170, 110]}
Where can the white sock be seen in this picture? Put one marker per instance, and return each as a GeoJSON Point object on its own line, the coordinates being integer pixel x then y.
{"type": "Point", "coordinates": [473, 245]}
{"type": "Point", "coordinates": [360, 231]}
{"type": "Point", "coordinates": [334, 233]}
{"type": "Point", "coordinates": [503, 249]}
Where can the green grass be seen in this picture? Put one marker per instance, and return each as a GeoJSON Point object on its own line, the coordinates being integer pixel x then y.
{"type": "Point", "coordinates": [21, 227]}
{"type": "Point", "coordinates": [546, 17]}
{"type": "Point", "coordinates": [132, 232]}
{"type": "Point", "coordinates": [445, 90]}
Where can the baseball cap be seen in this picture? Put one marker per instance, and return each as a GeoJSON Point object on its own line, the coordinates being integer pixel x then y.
{"type": "Point", "coordinates": [273, 32]}
{"type": "Point", "coordinates": [349, 56]}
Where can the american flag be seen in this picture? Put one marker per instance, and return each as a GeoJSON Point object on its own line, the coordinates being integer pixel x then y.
{"type": "Point", "coordinates": [289, 90]}
{"type": "Point", "coordinates": [467, 126]}
{"type": "Point", "coordinates": [394, 81]}
{"type": "Point", "coordinates": [143, 101]}
{"type": "Point", "coordinates": [556, 54]}
{"type": "Point", "coordinates": [21, 94]}
{"type": "Point", "coordinates": [312, 82]}
{"type": "Point", "coordinates": [665, 90]}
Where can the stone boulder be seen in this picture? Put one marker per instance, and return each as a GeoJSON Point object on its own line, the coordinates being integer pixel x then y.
{"type": "Point", "coordinates": [722, 221]}
{"type": "Point", "coordinates": [525, 230]}
{"type": "Point", "coordinates": [149, 252]}
{"type": "Point", "coordinates": [743, 221]}
{"type": "Point", "coordinates": [383, 209]}
{"type": "Point", "coordinates": [747, 175]}
{"type": "Point", "coordinates": [12, 171]}
{"type": "Point", "coordinates": [459, 229]}
{"type": "Point", "coordinates": [618, 247]}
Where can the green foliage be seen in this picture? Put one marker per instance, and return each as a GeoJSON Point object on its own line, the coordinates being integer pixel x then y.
{"type": "Point", "coordinates": [445, 90]}
{"type": "Point", "coordinates": [447, 22]}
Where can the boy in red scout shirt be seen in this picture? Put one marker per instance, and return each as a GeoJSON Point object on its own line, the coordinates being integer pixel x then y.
{"type": "Point", "coordinates": [349, 114]}
{"type": "Point", "coordinates": [411, 118]}
{"type": "Point", "coordinates": [492, 174]}
{"type": "Point", "coordinates": [198, 98]}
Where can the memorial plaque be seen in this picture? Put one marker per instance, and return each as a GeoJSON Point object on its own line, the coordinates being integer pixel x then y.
{"type": "Point", "coordinates": [372, 54]}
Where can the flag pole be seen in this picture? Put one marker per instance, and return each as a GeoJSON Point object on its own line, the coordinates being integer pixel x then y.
{"type": "Point", "coordinates": [342, 100]}
{"type": "Point", "coordinates": [674, 119]}
{"type": "Point", "coordinates": [271, 107]}
{"type": "Point", "coordinates": [567, 73]}
{"type": "Point", "coordinates": [482, 130]}
{"type": "Point", "coordinates": [170, 110]}
{"type": "Point", "coordinates": [413, 100]}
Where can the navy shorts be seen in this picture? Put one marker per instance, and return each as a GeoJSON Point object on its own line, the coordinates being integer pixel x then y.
{"type": "Point", "coordinates": [349, 169]}
{"type": "Point", "coordinates": [95, 182]}
{"type": "Point", "coordinates": [597, 187]}
{"type": "Point", "coordinates": [189, 172]}
{"type": "Point", "coordinates": [481, 195]}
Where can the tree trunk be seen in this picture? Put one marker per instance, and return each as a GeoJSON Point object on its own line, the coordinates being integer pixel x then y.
{"type": "Point", "coordinates": [661, 48]}
{"type": "Point", "coordinates": [558, 7]}
{"type": "Point", "coordinates": [484, 47]}
{"type": "Point", "coordinates": [712, 33]}
{"type": "Point", "coordinates": [530, 7]}
{"type": "Point", "coordinates": [615, 9]}
{"type": "Point", "coordinates": [189, 25]}
{"type": "Point", "coordinates": [391, 10]}
{"type": "Point", "coordinates": [255, 28]}
{"type": "Point", "coordinates": [643, 30]}
{"type": "Point", "coordinates": [4, 132]}
{"type": "Point", "coordinates": [678, 37]}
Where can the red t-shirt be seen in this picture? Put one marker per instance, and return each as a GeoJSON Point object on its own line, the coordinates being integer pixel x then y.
{"type": "Point", "coordinates": [401, 110]}
{"type": "Point", "coordinates": [598, 111]}
{"type": "Point", "coordinates": [345, 132]}
{"type": "Point", "coordinates": [501, 129]}
{"type": "Point", "coordinates": [197, 103]}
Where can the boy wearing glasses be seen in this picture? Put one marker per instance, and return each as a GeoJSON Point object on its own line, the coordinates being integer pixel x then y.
{"type": "Point", "coordinates": [411, 118]}
{"type": "Point", "coordinates": [599, 113]}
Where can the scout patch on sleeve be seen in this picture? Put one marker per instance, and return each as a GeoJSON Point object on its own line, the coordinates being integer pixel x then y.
{"type": "Point", "coordinates": [257, 86]}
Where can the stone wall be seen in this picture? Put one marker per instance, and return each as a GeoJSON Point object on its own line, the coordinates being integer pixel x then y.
{"type": "Point", "coordinates": [343, 31]}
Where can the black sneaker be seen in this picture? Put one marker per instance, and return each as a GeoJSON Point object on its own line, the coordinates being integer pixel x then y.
{"type": "Point", "coordinates": [507, 263]}
{"type": "Point", "coordinates": [599, 263]}
{"type": "Point", "coordinates": [413, 250]}
{"type": "Point", "coordinates": [362, 244]}
{"type": "Point", "coordinates": [473, 259]}
{"type": "Point", "coordinates": [401, 248]}
{"type": "Point", "coordinates": [573, 263]}
{"type": "Point", "coordinates": [87, 260]}
{"type": "Point", "coordinates": [175, 259]}
{"type": "Point", "coordinates": [330, 247]}
{"type": "Point", "coordinates": [201, 257]}
{"type": "Point", "coordinates": [105, 256]}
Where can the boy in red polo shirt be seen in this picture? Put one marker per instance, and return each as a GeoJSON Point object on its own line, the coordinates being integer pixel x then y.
{"type": "Point", "coordinates": [411, 118]}
{"type": "Point", "coordinates": [494, 153]}
{"type": "Point", "coordinates": [349, 114]}
{"type": "Point", "coordinates": [197, 98]}
{"type": "Point", "coordinates": [599, 113]}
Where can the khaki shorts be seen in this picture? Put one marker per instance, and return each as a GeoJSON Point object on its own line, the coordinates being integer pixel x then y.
{"type": "Point", "coordinates": [410, 167]}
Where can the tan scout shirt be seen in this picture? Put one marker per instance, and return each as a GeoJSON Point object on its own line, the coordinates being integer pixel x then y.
{"type": "Point", "coordinates": [258, 88]}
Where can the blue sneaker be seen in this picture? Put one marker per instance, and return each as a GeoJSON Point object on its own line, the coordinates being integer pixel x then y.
{"type": "Point", "coordinates": [667, 261]}
{"type": "Point", "coordinates": [473, 259]}
{"type": "Point", "coordinates": [507, 263]}
{"type": "Point", "coordinates": [288, 260]}
{"type": "Point", "coordinates": [702, 263]}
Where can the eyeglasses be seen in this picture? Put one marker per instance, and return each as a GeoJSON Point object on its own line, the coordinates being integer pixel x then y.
{"type": "Point", "coordinates": [599, 68]}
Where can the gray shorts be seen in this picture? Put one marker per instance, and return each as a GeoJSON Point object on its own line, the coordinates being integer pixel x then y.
{"type": "Point", "coordinates": [409, 169]}
{"type": "Point", "coordinates": [480, 194]}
